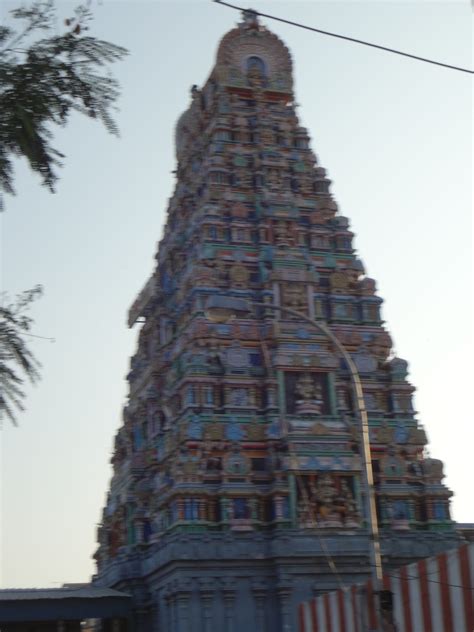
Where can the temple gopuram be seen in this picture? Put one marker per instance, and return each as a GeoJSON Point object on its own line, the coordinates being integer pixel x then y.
{"type": "Point", "coordinates": [237, 488]}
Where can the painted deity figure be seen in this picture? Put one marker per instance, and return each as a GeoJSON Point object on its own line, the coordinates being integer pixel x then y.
{"type": "Point", "coordinates": [348, 507]}
{"type": "Point", "coordinates": [282, 234]}
{"type": "Point", "coordinates": [305, 509]}
{"type": "Point", "coordinates": [326, 495]}
{"type": "Point", "coordinates": [310, 396]}
{"type": "Point", "coordinates": [294, 295]}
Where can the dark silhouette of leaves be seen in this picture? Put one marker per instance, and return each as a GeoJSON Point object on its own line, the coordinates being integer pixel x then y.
{"type": "Point", "coordinates": [43, 81]}
{"type": "Point", "coordinates": [17, 362]}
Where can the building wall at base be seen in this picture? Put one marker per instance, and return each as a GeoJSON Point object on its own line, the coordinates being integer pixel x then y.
{"type": "Point", "coordinates": [231, 582]}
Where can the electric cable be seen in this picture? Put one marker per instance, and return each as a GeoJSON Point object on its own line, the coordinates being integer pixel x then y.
{"type": "Point", "coordinates": [345, 37]}
{"type": "Point", "coordinates": [425, 576]}
{"type": "Point", "coordinates": [42, 337]}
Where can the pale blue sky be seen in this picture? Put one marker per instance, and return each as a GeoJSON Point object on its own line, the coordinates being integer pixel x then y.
{"type": "Point", "coordinates": [396, 138]}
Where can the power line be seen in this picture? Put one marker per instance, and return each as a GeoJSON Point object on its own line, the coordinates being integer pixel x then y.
{"type": "Point", "coordinates": [42, 337]}
{"type": "Point", "coordinates": [345, 37]}
{"type": "Point", "coordinates": [395, 573]}
{"type": "Point", "coordinates": [432, 581]}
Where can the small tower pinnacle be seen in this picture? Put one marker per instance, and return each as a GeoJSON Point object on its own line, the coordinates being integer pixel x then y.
{"type": "Point", "coordinates": [250, 19]}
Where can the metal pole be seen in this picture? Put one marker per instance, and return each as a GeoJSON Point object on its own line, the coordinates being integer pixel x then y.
{"type": "Point", "coordinates": [368, 478]}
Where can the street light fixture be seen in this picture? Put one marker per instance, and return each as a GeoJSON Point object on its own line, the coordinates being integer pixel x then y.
{"type": "Point", "coordinates": [222, 309]}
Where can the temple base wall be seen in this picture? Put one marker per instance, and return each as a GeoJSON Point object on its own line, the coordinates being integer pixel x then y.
{"type": "Point", "coordinates": [251, 582]}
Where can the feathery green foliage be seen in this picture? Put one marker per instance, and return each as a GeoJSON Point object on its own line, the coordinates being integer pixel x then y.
{"type": "Point", "coordinates": [16, 360]}
{"type": "Point", "coordinates": [43, 80]}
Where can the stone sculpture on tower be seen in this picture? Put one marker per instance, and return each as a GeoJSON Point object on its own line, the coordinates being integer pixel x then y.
{"type": "Point", "coordinates": [237, 470]}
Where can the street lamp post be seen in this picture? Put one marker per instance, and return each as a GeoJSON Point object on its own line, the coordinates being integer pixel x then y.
{"type": "Point", "coordinates": [227, 306]}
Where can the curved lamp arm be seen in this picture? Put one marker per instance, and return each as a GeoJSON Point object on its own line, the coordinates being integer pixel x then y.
{"type": "Point", "coordinates": [228, 307]}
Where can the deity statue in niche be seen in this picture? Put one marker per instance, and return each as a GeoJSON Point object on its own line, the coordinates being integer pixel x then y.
{"type": "Point", "coordinates": [401, 433]}
{"type": "Point", "coordinates": [416, 469]}
{"type": "Point", "coordinates": [273, 178]}
{"type": "Point", "coordinates": [347, 505]}
{"type": "Point", "coordinates": [392, 465]}
{"type": "Point", "coordinates": [205, 274]}
{"type": "Point", "coordinates": [226, 510]}
{"type": "Point", "coordinates": [117, 532]}
{"type": "Point", "coordinates": [236, 463]}
{"type": "Point", "coordinates": [214, 431]}
{"type": "Point", "coordinates": [255, 431]}
{"type": "Point", "coordinates": [282, 234]}
{"type": "Point", "coordinates": [239, 397]}
{"type": "Point", "coordinates": [295, 296]}
{"type": "Point", "coordinates": [342, 399]}
{"type": "Point", "coordinates": [255, 71]}
{"type": "Point", "coordinates": [399, 514]}
{"type": "Point", "coordinates": [241, 509]}
{"type": "Point", "coordinates": [306, 505]}
{"type": "Point", "coordinates": [325, 493]}
{"type": "Point", "coordinates": [239, 275]}
{"type": "Point", "coordinates": [214, 361]}
{"type": "Point", "coordinates": [178, 465]}
{"type": "Point", "coordinates": [274, 460]}
{"type": "Point", "coordinates": [221, 274]}
{"type": "Point", "coordinates": [385, 434]}
{"type": "Point", "coordinates": [309, 395]}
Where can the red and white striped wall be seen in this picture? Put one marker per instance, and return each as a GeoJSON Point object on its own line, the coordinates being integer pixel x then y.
{"type": "Point", "coordinates": [432, 595]}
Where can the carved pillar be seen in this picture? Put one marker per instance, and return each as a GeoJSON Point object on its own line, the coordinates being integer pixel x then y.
{"type": "Point", "coordinates": [278, 500]}
{"type": "Point", "coordinates": [332, 394]}
{"type": "Point", "coordinates": [207, 591]}
{"type": "Point", "coordinates": [411, 509]}
{"type": "Point", "coordinates": [342, 398]}
{"type": "Point", "coordinates": [252, 397]}
{"type": "Point", "coordinates": [284, 602]}
{"type": "Point", "coordinates": [183, 593]}
{"type": "Point", "coordinates": [212, 510]}
{"type": "Point", "coordinates": [292, 499]}
{"type": "Point", "coordinates": [225, 510]}
{"type": "Point", "coordinates": [281, 396]}
{"type": "Point", "coordinates": [358, 497]}
{"type": "Point", "coordinates": [170, 613]}
{"type": "Point", "coordinates": [429, 509]}
{"type": "Point", "coordinates": [139, 531]}
{"type": "Point", "coordinates": [270, 396]}
{"type": "Point", "coordinates": [319, 312]}
{"type": "Point", "coordinates": [163, 324]}
{"type": "Point", "coordinates": [155, 614]}
{"type": "Point", "coordinates": [311, 310]}
{"type": "Point", "coordinates": [203, 504]}
{"type": "Point", "coordinates": [259, 592]}
{"type": "Point", "coordinates": [254, 506]}
{"type": "Point", "coordinates": [228, 594]}
{"type": "Point", "coordinates": [276, 299]}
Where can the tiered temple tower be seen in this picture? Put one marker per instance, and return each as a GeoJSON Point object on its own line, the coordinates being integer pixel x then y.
{"type": "Point", "coordinates": [237, 471]}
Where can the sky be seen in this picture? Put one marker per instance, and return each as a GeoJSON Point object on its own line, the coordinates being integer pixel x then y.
{"type": "Point", "coordinates": [396, 138]}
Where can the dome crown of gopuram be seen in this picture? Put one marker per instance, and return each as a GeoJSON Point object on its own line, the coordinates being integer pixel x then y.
{"type": "Point", "coordinates": [248, 57]}
{"type": "Point", "coordinates": [251, 53]}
